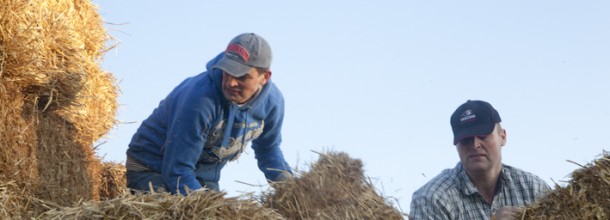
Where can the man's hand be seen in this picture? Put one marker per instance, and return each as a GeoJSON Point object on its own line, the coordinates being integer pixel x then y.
{"type": "Point", "coordinates": [508, 213]}
{"type": "Point", "coordinates": [281, 179]}
{"type": "Point", "coordinates": [284, 176]}
{"type": "Point", "coordinates": [199, 191]}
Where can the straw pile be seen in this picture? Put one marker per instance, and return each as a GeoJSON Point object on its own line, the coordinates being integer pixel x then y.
{"type": "Point", "coordinates": [587, 195]}
{"type": "Point", "coordinates": [13, 205]}
{"type": "Point", "coordinates": [55, 101]}
{"type": "Point", "coordinates": [206, 205]}
{"type": "Point", "coordinates": [334, 188]}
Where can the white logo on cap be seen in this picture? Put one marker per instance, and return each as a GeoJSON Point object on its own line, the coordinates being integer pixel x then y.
{"type": "Point", "coordinates": [467, 116]}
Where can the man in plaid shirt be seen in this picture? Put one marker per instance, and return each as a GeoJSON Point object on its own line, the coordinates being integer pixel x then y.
{"type": "Point", "coordinates": [479, 186]}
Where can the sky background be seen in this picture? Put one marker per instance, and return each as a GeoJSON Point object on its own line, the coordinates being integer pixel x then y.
{"type": "Point", "coordinates": [379, 80]}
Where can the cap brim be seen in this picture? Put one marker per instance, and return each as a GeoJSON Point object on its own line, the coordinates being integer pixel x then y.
{"type": "Point", "coordinates": [232, 67]}
{"type": "Point", "coordinates": [473, 131]}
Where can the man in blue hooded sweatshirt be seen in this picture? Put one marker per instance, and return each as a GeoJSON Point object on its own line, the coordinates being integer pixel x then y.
{"type": "Point", "coordinates": [208, 120]}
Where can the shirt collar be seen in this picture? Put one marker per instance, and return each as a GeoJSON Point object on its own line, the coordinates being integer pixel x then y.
{"type": "Point", "coordinates": [466, 186]}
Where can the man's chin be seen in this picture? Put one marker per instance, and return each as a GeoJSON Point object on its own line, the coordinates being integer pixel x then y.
{"type": "Point", "coordinates": [235, 100]}
{"type": "Point", "coordinates": [231, 98]}
{"type": "Point", "coordinates": [477, 167]}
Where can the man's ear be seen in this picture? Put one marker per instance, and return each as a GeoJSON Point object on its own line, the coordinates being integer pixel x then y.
{"type": "Point", "coordinates": [267, 76]}
{"type": "Point", "coordinates": [503, 136]}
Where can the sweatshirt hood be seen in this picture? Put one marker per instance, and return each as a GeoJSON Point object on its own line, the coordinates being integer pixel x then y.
{"type": "Point", "coordinates": [210, 65]}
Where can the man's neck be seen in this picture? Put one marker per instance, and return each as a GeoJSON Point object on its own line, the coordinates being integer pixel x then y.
{"type": "Point", "coordinates": [485, 183]}
{"type": "Point", "coordinates": [251, 98]}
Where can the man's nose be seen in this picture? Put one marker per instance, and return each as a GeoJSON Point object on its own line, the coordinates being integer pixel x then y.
{"type": "Point", "coordinates": [477, 142]}
{"type": "Point", "coordinates": [231, 80]}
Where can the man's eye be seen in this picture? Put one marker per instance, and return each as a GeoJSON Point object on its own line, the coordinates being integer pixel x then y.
{"type": "Point", "coordinates": [466, 141]}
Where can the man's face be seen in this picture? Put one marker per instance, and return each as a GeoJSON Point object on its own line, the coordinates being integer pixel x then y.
{"type": "Point", "coordinates": [241, 89]}
{"type": "Point", "coordinates": [482, 154]}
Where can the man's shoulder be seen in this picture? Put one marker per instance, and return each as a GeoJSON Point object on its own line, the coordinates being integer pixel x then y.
{"type": "Point", "coordinates": [443, 184]}
{"type": "Point", "coordinates": [274, 91]}
{"type": "Point", "coordinates": [195, 95]}
{"type": "Point", "coordinates": [200, 84]}
{"type": "Point", "coordinates": [272, 97]}
{"type": "Point", "coordinates": [518, 175]}
{"type": "Point", "coordinates": [517, 172]}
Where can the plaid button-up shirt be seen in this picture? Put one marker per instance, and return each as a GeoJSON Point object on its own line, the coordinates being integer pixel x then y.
{"type": "Point", "coordinates": [451, 195]}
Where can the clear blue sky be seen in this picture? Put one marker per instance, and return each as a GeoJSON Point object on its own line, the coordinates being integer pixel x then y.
{"type": "Point", "coordinates": [380, 79]}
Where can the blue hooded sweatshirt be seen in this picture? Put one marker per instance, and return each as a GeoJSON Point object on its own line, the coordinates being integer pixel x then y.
{"type": "Point", "coordinates": [195, 130]}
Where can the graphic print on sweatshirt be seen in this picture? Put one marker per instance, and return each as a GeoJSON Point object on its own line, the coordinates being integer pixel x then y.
{"type": "Point", "coordinates": [214, 152]}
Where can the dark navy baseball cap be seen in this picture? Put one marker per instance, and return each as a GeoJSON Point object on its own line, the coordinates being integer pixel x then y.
{"type": "Point", "coordinates": [473, 118]}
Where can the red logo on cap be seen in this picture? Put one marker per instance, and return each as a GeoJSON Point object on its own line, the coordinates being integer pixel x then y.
{"type": "Point", "coordinates": [239, 50]}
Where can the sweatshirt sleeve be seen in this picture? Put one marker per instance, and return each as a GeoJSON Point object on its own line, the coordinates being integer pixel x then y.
{"type": "Point", "coordinates": [267, 147]}
{"type": "Point", "coordinates": [186, 135]}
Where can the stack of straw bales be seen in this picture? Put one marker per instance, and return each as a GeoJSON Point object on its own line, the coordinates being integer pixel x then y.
{"type": "Point", "coordinates": [587, 195]}
{"type": "Point", "coordinates": [334, 188]}
{"type": "Point", "coordinates": [55, 101]}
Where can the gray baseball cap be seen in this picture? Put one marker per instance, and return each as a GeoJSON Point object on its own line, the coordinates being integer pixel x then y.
{"type": "Point", "coordinates": [243, 53]}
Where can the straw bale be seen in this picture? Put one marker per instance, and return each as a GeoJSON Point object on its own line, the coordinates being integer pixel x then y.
{"type": "Point", "coordinates": [586, 196]}
{"type": "Point", "coordinates": [17, 152]}
{"type": "Point", "coordinates": [67, 169]}
{"type": "Point", "coordinates": [58, 100]}
{"type": "Point", "coordinates": [54, 51]}
{"type": "Point", "coordinates": [51, 52]}
{"type": "Point", "coordinates": [14, 204]}
{"type": "Point", "coordinates": [334, 188]}
{"type": "Point", "coordinates": [113, 180]}
{"type": "Point", "coordinates": [200, 205]}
